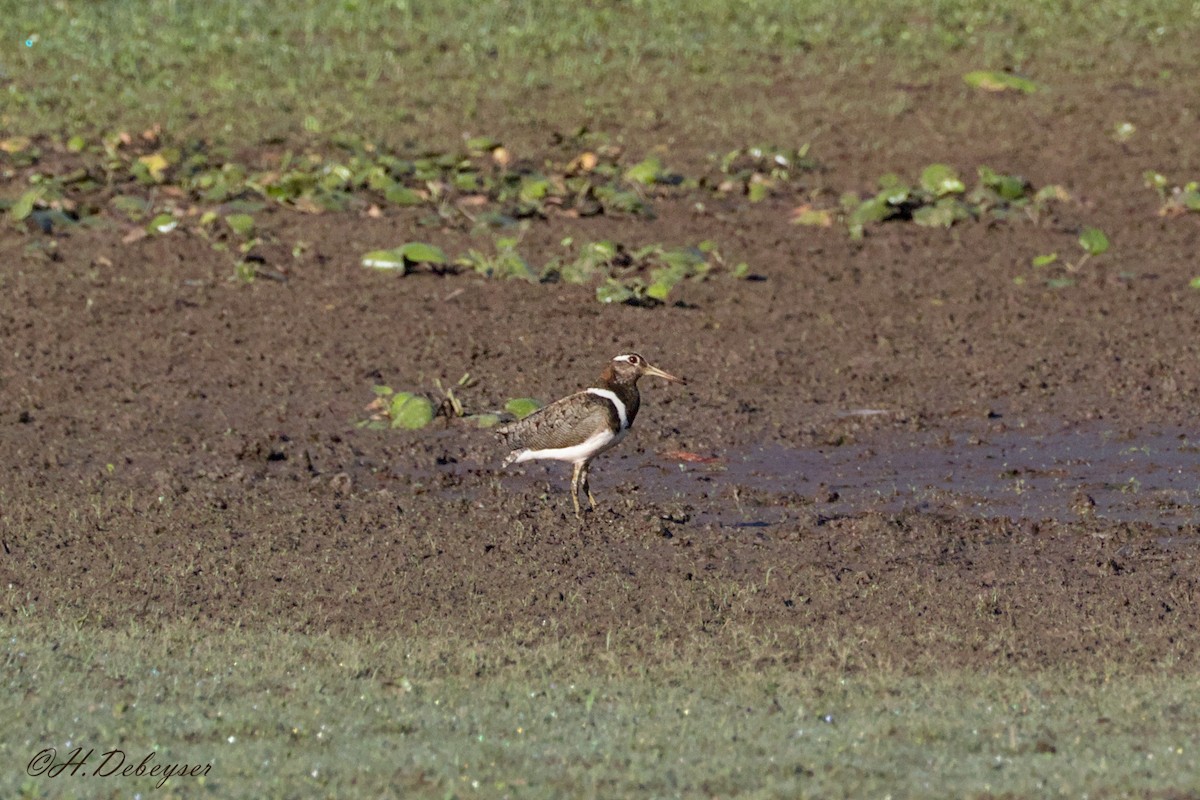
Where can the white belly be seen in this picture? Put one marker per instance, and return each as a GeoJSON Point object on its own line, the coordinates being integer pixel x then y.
{"type": "Point", "coordinates": [595, 444]}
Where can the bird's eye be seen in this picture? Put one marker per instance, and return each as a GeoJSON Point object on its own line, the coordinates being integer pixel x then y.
{"type": "Point", "coordinates": [634, 360]}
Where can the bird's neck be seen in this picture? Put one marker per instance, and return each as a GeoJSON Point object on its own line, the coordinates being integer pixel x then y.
{"type": "Point", "coordinates": [626, 391]}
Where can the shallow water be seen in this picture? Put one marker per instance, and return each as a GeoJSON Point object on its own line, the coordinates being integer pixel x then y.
{"type": "Point", "coordinates": [1062, 473]}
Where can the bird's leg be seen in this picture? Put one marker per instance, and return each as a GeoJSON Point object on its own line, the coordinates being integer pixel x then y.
{"type": "Point", "coordinates": [587, 487]}
{"type": "Point", "coordinates": [575, 485]}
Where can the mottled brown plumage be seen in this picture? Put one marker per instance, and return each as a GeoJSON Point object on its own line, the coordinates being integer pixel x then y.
{"type": "Point", "coordinates": [564, 423]}
{"type": "Point", "coordinates": [580, 427]}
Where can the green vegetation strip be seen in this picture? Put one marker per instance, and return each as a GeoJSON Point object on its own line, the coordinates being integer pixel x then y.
{"type": "Point", "coordinates": [282, 715]}
{"type": "Point", "coordinates": [483, 185]}
{"type": "Point", "coordinates": [254, 71]}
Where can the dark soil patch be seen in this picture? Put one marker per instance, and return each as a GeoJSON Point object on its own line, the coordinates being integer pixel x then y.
{"type": "Point", "coordinates": [179, 445]}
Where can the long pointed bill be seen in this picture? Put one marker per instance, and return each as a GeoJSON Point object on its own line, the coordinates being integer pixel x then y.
{"type": "Point", "coordinates": [658, 373]}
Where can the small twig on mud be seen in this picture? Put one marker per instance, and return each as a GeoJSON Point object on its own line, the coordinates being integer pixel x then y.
{"type": "Point", "coordinates": [1075, 267]}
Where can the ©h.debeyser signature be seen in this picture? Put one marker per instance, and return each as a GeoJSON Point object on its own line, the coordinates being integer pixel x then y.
{"type": "Point", "coordinates": [115, 763]}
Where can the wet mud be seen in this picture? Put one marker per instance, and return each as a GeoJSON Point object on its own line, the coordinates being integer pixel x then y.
{"type": "Point", "coordinates": [892, 442]}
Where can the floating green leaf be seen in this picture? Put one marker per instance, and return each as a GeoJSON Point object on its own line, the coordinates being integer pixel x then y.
{"type": "Point", "coordinates": [483, 420]}
{"type": "Point", "coordinates": [411, 411]}
{"type": "Point", "coordinates": [15, 144]}
{"type": "Point", "coordinates": [1155, 180]}
{"type": "Point", "coordinates": [385, 259]}
{"type": "Point", "coordinates": [876, 209]}
{"type": "Point", "coordinates": [152, 168]}
{"type": "Point", "coordinates": [1045, 260]}
{"type": "Point", "coordinates": [592, 258]}
{"type": "Point", "coordinates": [466, 182]}
{"type": "Point", "coordinates": [400, 258]}
{"type": "Point", "coordinates": [25, 203]}
{"type": "Point", "coordinates": [646, 172]}
{"type": "Point", "coordinates": [613, 291]}
{"type": "Point", "coordinates": [163, 223]}
{"type": "Point", "coordinates": [618, 200]}
{"type": "Point", "coordinates": [995, 81]}
{"type": "Point", "coordinates": [942, 214]}
{"type": "Point", "coordinates": [661, 283]}
{"type": "Point", "coordinates": [482, 144]}
{"type": "Point", "coordinates": [401, 195]}
{"type": "Point", "coordinates": [522, 407]}
{"type": "Point", "coordinates": [1009, 187]}
{"type": "Point", "coordinates": [940, 180]}
{"type": "Point", "coordinates": [533, 189]}
{"type": "Point", "coordinates": [1194, 283]}
{"type": "Point", "coordinates": [241, 224]}
{"type": "Point", "coordinates": [421, 253]}
{"type": "Point", "coordinates": [1093, 241]}
{"type": "Point", "coordinates": [133, 207]}
{"type": "Point", "coordinates": [816, 217]}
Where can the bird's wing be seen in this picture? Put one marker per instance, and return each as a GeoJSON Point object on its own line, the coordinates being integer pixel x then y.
{"type": "Point", "coordinates": [563, 423]}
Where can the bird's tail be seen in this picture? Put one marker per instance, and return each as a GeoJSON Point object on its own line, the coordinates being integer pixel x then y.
{"type": "Point", "coordinates": [511, 437]}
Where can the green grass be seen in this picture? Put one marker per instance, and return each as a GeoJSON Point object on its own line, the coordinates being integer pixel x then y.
{"type": "Point", "coordinates": [246, 72]}
{"type": "Point", "coordinates": [281, 715]}
{"type": "Point", "coordinates": [284, 715]}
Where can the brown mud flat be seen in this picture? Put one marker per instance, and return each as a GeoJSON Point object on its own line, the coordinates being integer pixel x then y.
{"type": "Point", "coordinates": [915, 455]}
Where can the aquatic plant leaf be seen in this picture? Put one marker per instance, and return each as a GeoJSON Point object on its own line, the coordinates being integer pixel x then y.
{"type": "Point", "coordinates": [25, 203]}
{"type": "Point", "coordinates": [1009, 187]}
{"type": "Point", "coordinates": [484, 420]}
{"type": "Point", "coordinates": [942, 214]}
{"type": "Point", "coordinates": [15, 144]}
{"type": "Point", "coordinates": [618, 200]}
{"type": "Point", "coordinates": [401, 195]}
{"type": "Point", "coordinates": [876, 209]}
{"type": "Point", "coordinates": [1045, 260]}
{"type": "Point", "coordinates": [533, 189]}
{"type": "Point", "coordinates": [816, 217]}
{"type": "Point", "coordinates": [645, 172]}
{"type": "Point", "coordinates": [134, 208]}
{"type": "Point", "coordinates": [940, 180]}
{"type": "Point", "coordinates": [385, 259]}
{"type": "Point", "coordinates": [1155, 180]}
{"type": "Point", "coordinates": [163, 223]}
{"type": "Point", "coordinates": [466, 182]}
{"type": "Point", "coordinates": [613, 291]}
{"type": "Point", "coordinates": [155, 165]}
{"type": "Point", "coordinates": [241, 224]}
{"type": "Point", "coordinates": [482, 144]}
{"type": "Point", "coordinates": [1051, 191]}
{"type": "Point", "coordinates": [1093, 241]}
{"type": "Point", "coordinates": [895, 195]}
{"type": "Point", "coordinates": [421, 253]}
{"type": "Point", "coordinates": [411, 411]}
{"type": "Point", "coordinates": [996, 81]}
{"type": "Point", "coordinates": [522, 407]}
{"type": "Point", "coordinates": [661, 283]}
